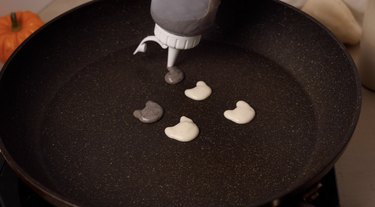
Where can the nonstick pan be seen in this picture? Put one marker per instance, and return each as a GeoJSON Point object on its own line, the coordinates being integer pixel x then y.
{"type": "Point", "coordinates": [68, 94]}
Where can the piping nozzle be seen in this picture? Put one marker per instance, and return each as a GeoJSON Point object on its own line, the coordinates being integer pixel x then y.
{"type": "Point", "coordinates": [173, 42]}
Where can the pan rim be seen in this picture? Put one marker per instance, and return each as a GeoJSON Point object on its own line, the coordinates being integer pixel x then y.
{"type": "Point", "coordinates": [50, 195]}
{"type": "Point", "coordinates": [308, 181]}
{"type": "Point", "coordinates": [58, 199]}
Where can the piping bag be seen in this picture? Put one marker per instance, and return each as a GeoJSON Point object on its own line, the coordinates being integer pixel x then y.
{"type": "Point", "coordinates": [179, 24]}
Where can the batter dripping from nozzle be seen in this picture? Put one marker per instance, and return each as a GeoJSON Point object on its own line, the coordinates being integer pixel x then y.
{"type": "Point", "coordinates": [174, 75]}
{"type": "Point", "coordinates": [179, 26]}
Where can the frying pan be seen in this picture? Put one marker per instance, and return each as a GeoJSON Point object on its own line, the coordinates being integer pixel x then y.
{"type": "Point", "coordinates": [68, 93]}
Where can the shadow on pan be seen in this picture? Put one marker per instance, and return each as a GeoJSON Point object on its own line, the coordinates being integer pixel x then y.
{"type": "Point", "coordinates": [69, 92]}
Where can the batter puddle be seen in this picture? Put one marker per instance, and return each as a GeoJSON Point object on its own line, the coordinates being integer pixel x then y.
{"type": "Point", "coordinates": [151, 113]}
{"type": "Point", "coordinates": [242, 114]}
{"type": "Point", "coordinates": [200, 92]}
{"type": "Point", "coordinates": [184, 131]}
{"type": "Point", "coordinates": [174, 75]}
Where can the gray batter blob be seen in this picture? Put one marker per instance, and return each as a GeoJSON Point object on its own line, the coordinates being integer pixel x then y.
{"type": "Point", "coordinates": [174, 75]}
{"type": "Point", "coordinates": [150, 114]}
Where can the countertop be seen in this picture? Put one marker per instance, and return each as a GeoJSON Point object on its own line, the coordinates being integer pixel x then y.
{"type": "Point", "coordinates": [355, 170]}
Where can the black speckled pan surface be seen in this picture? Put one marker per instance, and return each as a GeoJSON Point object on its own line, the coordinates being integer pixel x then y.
{"type": "Point", "coordinates": [67, 98]}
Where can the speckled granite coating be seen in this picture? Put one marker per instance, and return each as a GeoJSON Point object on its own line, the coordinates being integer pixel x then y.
{"type": "Point", "coordinates": [68, 97]}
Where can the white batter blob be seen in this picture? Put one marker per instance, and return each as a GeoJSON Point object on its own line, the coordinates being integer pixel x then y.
{"type": "Point", "coordinates": [200, 92]}
{"type": "Point", "coordinates": [184, 131]}
{"type": "Point", "coordinates": [242, 114]}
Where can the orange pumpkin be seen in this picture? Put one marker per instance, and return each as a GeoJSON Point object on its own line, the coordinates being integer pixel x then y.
{"type": "Point", "coordinates": [14, 29]}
